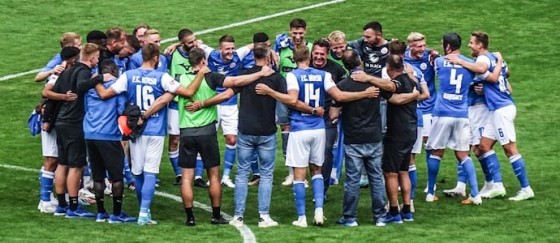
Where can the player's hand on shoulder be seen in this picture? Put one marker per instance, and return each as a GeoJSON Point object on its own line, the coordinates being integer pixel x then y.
{"type": "Point", "coordinates": [372, 92]}
{"type": "Point", "coordinates": [360, 76]}
{"type": "Point", "coordinates": [69, 96]}
{"type": "Point", "coordinates": [170, 49]}
{"type": "Point", "coordinates": [204, 70]}
{"type": "Point", "coordinates": [415, 92]}
{"type": "Point", "coordinates": [453, 58]}
{"type": "Point", "coordinates": [266, 71]}
{"type": "Point", "coordinates": [262, 89]}
{"type": "Point", "coordinates": [58, 69]}
{"type": "Point", "coordinates": [108, 77]}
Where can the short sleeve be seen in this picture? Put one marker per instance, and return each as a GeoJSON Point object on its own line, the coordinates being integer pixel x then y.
{"type": "Point", "coordinates": [121, 85]}
{"type": "Point", "coordinates": [384, 74]}
{"type": "Point", "coordinates": [329, 83]}
{"type": "Point", "coordinates": [169, 84]}
{"type": "Point", "coordinates": [386, 94]}
{"type": "Point", "coordinates": [291, 82]}
{"type": "Point", "coordinates": [484, 59]}
{"type": "Point", "coordinates": [280, 84]}
{"type": "Point", "coordinates": [214, 80]}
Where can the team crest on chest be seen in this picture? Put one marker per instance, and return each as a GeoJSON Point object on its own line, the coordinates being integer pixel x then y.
{"type": "Point", "coordinates": [423, 66]}
{"type": "Point", "coordinates": [232, 65]}
{"type": "Point", "coordinates": [384, 50]}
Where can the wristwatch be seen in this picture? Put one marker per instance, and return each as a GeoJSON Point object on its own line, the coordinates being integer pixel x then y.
{"type": "Point", "coordinates": [314, 111]}
{"type": "Point", "coordinates": [143, 117]}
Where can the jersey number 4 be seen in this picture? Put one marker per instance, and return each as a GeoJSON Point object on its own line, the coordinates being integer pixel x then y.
{"type": "Point", "coordinates": [144, 96]}
{"type": "Point", "coordinates": [312, 94]}
{"type": "Point", "coordinates": [456, 80]}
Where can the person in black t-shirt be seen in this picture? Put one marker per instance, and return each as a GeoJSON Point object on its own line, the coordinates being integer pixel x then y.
{"type": "Point", "coordinates": [399, 139]}
{"type": "Point", "coordinates": [320, 60]}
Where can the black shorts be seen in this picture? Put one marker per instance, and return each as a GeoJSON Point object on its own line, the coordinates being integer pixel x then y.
{"type": "Point", "coordinates": [206, 145]}
{"type": "Point", "coordinates": [71, 145]}
{"type": "Point", "coordinates": [396, 156]}
{"type": "Point", "coordinates": [105, 156]}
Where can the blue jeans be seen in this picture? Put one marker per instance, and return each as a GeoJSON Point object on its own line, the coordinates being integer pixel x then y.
{"type": "Point", "coordinates": [265, 147]}
{"type": "Point", "coordinates": [357, 157]}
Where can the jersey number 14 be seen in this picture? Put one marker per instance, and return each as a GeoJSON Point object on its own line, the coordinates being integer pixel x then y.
{"type": "Point", "coordinates": [312, 94]}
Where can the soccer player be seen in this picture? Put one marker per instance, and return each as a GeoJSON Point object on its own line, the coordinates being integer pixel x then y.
{"type": "Point", "coordinates": [451, 118]}
{"type": "Point", "coordinates": [53, 66]}
{"type": "Point", "coordinates": [151, 36]}
{"type": "Point", "coordinates": [337, 42]}
{"type": "Point", "coordinates": [227, 61]}
{"type": "Point", "coordinates": [306, 147]}
{"type": "Point", "coordinates": [69, 56]}
{"type": "Point", "coordinates": [105, 151]}
{"type": "Point", "coordinates": [179, 65]}
{"type": "Point", "coordinates": [146, 88]}
{"type": "Point", "coordinates": [139, 31]}
{"type": "Point", "coordinates": [284, 46]}
{"type": "Point", "coordinates": [198, 115]}
{"type": "Point", "coordinates": [257, 135]}
{"type": "Point", "coordinates": [320, 61]}
{"type": "Point", "coordinates": [70, 133]}
{"type": "Point", "coordinates": [116, 41]}
{"type": "Point", "coordinates": [131, 46]}
{"type": "Point", "coordinates": [400, 138]}
{"type": "Point", "coordinates": [502, 114]}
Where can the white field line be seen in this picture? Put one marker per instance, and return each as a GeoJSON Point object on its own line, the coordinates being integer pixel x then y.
{"type": "Point", "coordinates": [245, 22]}
{"type": "Point", "coordinates": [246, 233]}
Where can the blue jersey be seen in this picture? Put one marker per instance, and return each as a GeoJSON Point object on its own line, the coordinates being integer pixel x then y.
{"type": "Point", "coordinates": [122, 63]}
{"type": "Point", "coordinates": [249, 60]}
{"type": "Point", "coordinates": [56, 60]}
{"type": "Point", "coordinates": [143, 87]}
{"type": "Point", "coordinates": [100, 120]}
{"type": "Point", "coordinates": [475, 98]}
{"type": "Point", "coordinates": [427, 69]}
{"type": "Point", "coordinates": [312, 85]}
{"type": "Point", "coordinates": [497, 94]}
{"type": "Point", "coordinates": [454, 83]}
{"type": "Point", "coordinates": [136, 61]}
{"type": "Point", "coordinates": [230, 68]}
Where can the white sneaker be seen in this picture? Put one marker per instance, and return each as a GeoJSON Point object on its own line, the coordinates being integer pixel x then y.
{"type": "Point", "coordinates": [455, 192]}
{"type": "Point", "coordinates": [108, 188]}
{"type": "Point", "coordinates": [301, 222]}
{"type": "Point", "coordinates": [496, 191]}
{"type": "Point", "coordinates": [426, 189]}
{"type": "Point", "coordinates": [411, 206]}
{"type": "Point", "coordinates": [288, 181]}
{"type": "Point", "coordinates": [85, 193]}
{"type": "Point", "coordinates": [431, 198]}
{"type": "Point", "coordinates": [486, 189]}
{"type": "Point", "coordinates": [306, 184]}
{"type": "Point", "coordinates": [319, 218]}
{"type": "Point", "coordinates": [227, 182]}
{"type": "Point", "coordinates": [236, 221]}
{"type": "Point", "coordinates": [523, 194]}
{"type": "Point", "coordinates": [54, 200]}
{"type": "Point", "coordinates": [266, 221]}
{"type": "Point", "coordinates": [46, 207]}
{"type": "Point", "coordinates": [473, 200]}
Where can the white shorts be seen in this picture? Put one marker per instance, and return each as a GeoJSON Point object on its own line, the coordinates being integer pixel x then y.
{"type": "Point", "coordinates": [449, 132]}
{"type": "Point", "coordinates": [417, 148]}
{"type": "Point", "coordinates": [228, 116]}
{"type": "Point", "coordinates": [306, 147]}
{"type": "Point", "coordinates": [427, 120]}
{"type": "Point", "coordinates": [48, 143]}
{"type": "Point", "coordinates": [501, 125]}
{"type": "Point", "coordinates": [146, 154]}
{"type": "Point", "coordinates": [479, 115]}
{"type": "Point", "coordinates": [173, 122]}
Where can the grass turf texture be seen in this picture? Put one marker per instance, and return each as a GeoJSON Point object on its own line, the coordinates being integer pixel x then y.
{"type": "Point", "coordinates": [522, 30]}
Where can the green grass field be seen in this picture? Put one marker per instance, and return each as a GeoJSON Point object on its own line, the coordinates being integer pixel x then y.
{"type": "Point", "coordinates": [522, 30]}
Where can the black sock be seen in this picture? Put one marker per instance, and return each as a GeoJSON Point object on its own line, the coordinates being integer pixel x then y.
{"type": "Point", "coordinates": [117, 205]}
{"type": "Point", "coordinates": [216, 212]}
{"type": "Point", "coordinates": [61, 200]}
{"type": "Point", "coordinates": [73, 203]}
{"type": "Point", "coordinates": [393, 210]}
{"type": "Point", "coordinates": [406, 208]}
{"type": "Point", "coordinates": [100, 202]}
{"type": "Point", "coordinates": [189, 213]}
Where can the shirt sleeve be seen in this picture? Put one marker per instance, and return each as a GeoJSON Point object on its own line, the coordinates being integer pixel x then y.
{"type": "Point", "coordinates": [385, 94]}
{"type": "Point", "coordinates": [484, 59]}
{"type": "Point", "coordinates": [207, 49]}
{"type": "Point", "coordinates": [384, 74]}
{"type": "Point", "coordinates": [329, 83]}
{"type": "Point", "coordinates": [291, 82]}
{"type": "Point", "coordinates": [214, 80]}
{"type": "Point", "coordinates": [56, 60]}
{"type": "Point", "coordinates": [169, 84]}
{"type": "Point", "coordinates": [281, 85]}
{"type": "Point", "coordinates": [121, 85]}
{"type": "Point", "coordinates": [243, 52]}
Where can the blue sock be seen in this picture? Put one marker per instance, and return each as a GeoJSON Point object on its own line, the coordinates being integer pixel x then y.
{"type": "Point", "coordinates": [461, 175]}
{"type": "Point", "coordinates": [199, 167]}
{"type": "Point", "coordinates": [299, 196]}
{"type": "Point", "coordinates": [318, 190]}
{"type": "Point", "coordinates": [285, 137]}
{"type": "Point", "coordinates": [127, 175]}
{"type": "Point", "coordinates": [433, 169]}
{"type": "Point", "coordinates": [468, 166]}
{"type": "Point", "coordinates": [493, 165]}
{"type": "Point", "coordinates": [519, 169]}
{"type": "Point", "coordinates": [255, 164]}
{"type": "Point", "coordinates": [47, 178]}
{"type": "Point", "coordinates": [229, 159]}
{"type": "Point", "coordinates": [413, 179]}
{"type": "Point", "coordinates": [139, 185]}
{"type": "Point", "coordinates": [148, 190]}
{"type": "Point", "coordinates": [174, 159]}
{"type": "Point", "coordinates": [486, 168]}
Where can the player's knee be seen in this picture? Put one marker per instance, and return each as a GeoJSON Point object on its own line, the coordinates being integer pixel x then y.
{"type": "Point", "coordinates": [173, 142]}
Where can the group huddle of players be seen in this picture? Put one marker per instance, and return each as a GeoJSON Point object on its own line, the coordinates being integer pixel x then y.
{"type": "Point", "coordinates": [376, 97]}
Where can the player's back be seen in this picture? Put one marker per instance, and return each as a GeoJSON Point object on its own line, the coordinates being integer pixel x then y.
{"type": "Point", "coordinates": [497, 93]}
{"type": "Point", "coordinates": [454, 82]}
{"type": "Point", "coordinates": [311, 84]}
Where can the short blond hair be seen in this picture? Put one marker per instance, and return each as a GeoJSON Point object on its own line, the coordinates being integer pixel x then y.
{"type": "Point", "coordinates": [415, 36]}
{"type": "Point", "coordinates": [68, 39]}
{"type": "Point", "coordinates": [151, 32]}
{"type": "Point", "coordinates": [87, 50]}
{"type": "Point", "coordinates": [336, 36]}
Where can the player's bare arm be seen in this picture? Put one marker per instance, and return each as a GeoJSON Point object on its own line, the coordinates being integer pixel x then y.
{"type": "Point", "coordinates": [242, 80]}
{"type": "Point", "coordinates": [383, 84]}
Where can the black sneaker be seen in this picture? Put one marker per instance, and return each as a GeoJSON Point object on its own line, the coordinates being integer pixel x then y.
{"type": "Point", "coordinates": [200, 183]}
{"type": "Point", "coordinates": [219, 220]}
{"type": "Point", "coordinates": [178, 180]}
{"type": "Point", "coordinates": [190, 222]}
{"type": "Point", "coordinates": [255, 180]}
